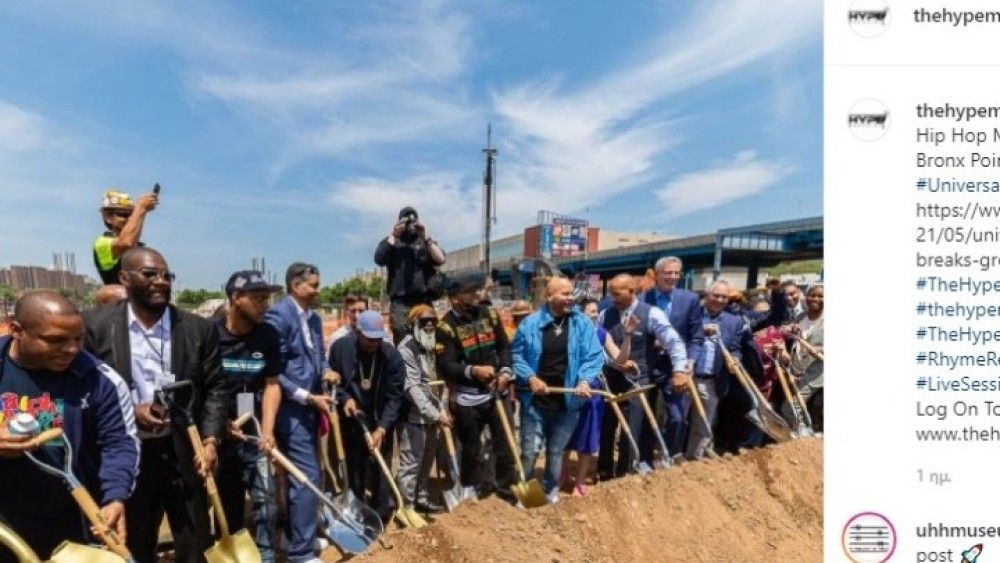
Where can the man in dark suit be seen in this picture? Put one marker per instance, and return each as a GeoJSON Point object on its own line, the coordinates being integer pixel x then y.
{"type": "Point", "coordinates": [151, 343]}
{"type": "Point", "coordinates": [684, 312]}
{"type": "Point", "coordinates": [711, 377]}
{"type": "Point", "coordinates": [302, 400]}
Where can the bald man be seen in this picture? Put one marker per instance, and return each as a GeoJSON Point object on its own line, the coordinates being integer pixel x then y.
{"type": "Point", "coordinates": [653, 333]}
{"type": "Point", "coordinates": [555, 346]}
{"type": "Point", "coordinates": [44, 372]}
{"type": "Point", "coordinates": [152, 343]}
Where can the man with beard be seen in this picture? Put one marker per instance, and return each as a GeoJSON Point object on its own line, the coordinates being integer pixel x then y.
{"type": "Point", "coordinates": [411, 259]}
{"type": "Point", "coordinates": [418, 432]}
{"type": "Point", "coordinates": [372, 372]}
{"type": "Point", "coordinates": [302, 402]}
{"type": "Point", "coordinates": [251, 364]}
{"type": "Point", "coordinates": [555, 346]}
{"type": "Point", "coordinates": [151, 343]}
{"type": "Point", "coordinates": [45, 373]}
{"type": "Point", "coordinates": [473, 356]}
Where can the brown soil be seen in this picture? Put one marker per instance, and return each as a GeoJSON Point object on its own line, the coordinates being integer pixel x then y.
{"type": "Point", "coordinates": [764, 505]}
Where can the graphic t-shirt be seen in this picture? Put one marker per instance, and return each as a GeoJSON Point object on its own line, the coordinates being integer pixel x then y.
{"type": "Point", "coordinates": [247, 360]}
{"type": "Point", "coordinates": [24, 488]}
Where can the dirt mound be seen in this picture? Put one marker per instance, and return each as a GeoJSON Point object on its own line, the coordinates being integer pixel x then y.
{"type": "Point", "coordinates": [764, 505]}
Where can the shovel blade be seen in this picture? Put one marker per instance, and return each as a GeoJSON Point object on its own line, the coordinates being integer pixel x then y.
{"type": "Point", "coordinates": [235, 548]}
{"type": "Point", "coordinates": [772, 424]}
{"type": "Point", "coordinates": [642, 468]}
{"type": "Point", "coordinates": [410, 518]}
{"type": "Point", "coordinates": [530, 493]}
{"type": "Point", "coordinates": [69, 552]}
{"type": "Point", "coordinates": [452, 498]}
{"type": "Point", "coordinates": [356, 528]}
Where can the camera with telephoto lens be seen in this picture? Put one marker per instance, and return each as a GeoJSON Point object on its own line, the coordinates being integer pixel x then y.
{"type": "Point", "coordinates": [410, 220]}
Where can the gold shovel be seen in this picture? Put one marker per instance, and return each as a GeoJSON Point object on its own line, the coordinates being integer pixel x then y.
{"type": "Point", "coordinates": [76, 489]}
{"type": "Point", "coordinates": [529, 493]}
{"type": "Point", "coordinates": [235, 548]}
{"type": "Point", "coordinates": [612, 400]}
{"type": "Point", "coordinates": [66, 552]}
{"type": "Point", "coordinates": [231, 548]}
{"type": "Point", "coordinates": [405, 514]}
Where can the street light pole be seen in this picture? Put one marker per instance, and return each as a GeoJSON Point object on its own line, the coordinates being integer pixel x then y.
{"type": "Point", "coordinates": [489, 198]}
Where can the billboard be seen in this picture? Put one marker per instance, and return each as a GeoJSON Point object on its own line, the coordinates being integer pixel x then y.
{"type": "Point", "coordinates": [569, 237]}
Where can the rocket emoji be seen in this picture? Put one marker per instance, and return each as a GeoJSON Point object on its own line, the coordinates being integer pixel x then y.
{"type": "Point", "coordinates": [970, 555]}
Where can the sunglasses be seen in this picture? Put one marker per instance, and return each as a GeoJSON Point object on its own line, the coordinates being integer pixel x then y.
{"type": "Point", "coordinates": [425, 321]}
{"type": "Point", "coordinates": [151, 274]}
{"type": "Point", "coordinates": [122, 213]}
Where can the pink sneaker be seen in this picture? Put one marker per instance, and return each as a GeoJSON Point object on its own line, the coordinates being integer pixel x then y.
{"type": "Point", "coordinates": [580, 490]}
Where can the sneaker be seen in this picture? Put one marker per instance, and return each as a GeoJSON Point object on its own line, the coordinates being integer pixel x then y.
{"type": "Point", "coordinates": [580, 490]}
{"type": "Point", "coordinates": [553, 495]}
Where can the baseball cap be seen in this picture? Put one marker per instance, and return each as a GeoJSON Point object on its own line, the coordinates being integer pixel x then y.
{"type": "Point", "coordinates": [116, 199]}
{"type": "Point", "coordinates": [371, 325]}
{"type": "Point", "coordinates": [248, 280]}
{"type": "Point", "coordinates": [407, 211]}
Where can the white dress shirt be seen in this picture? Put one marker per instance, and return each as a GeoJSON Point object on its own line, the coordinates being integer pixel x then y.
{"type": "Point", "coordinates": [150, 352]}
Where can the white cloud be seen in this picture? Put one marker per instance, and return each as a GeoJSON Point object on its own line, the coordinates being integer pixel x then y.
{"type": "Point", "coordinates": [744, 176]}
{"type": "Point", "coordinates": [20, 130]}
{"type": "Point", "coordinates": [402, 87]}
{"type": "Point", "coordinates": [450, 212]}
{"type": "Point", "coordinates": [572, 149]}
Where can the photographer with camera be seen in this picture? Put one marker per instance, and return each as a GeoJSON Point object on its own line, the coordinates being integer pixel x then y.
{"type": "Point", "coordinates": [411, 259]}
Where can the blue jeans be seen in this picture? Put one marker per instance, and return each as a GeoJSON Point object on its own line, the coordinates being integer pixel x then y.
{"type": "Point", "coordinates": [243, 468]}
{"type": "Point", "coordinates": [555, 428]}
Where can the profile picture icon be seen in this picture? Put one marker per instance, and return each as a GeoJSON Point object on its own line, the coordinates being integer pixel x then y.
{"type": "Point", "coordinates": [868, 119]}
{"type": "Point", "coordinates": [868, 18]}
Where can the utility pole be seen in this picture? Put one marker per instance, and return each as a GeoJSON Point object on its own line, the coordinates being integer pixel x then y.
{"type": "Point", "coordinates": [489, 197]}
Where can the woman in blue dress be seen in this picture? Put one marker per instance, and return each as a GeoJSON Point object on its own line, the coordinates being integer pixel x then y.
{"type": "Point", "coordinates": [586, 438]}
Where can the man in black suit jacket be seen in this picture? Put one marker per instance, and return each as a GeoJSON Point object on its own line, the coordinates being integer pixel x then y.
{"type": "Point", "coordinates": [151, 343]}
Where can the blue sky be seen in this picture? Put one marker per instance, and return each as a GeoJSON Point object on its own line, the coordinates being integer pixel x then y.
{"type": "Point", "coordinates": [296, 131]}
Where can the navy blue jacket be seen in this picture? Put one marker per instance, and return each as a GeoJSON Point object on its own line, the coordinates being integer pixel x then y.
{"type": "Point", "coordinates": [99, 424]}
{"type": "Point", "coordinates": [685, 316]}
{"type": "Point", "coordinates": [303, 368]}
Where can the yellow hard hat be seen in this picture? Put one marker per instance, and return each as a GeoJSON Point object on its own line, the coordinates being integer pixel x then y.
{"type": "Point", "coordinates": [116, 199]}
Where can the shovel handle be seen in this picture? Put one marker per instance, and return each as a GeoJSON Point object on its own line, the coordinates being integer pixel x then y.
{"type": "Point", "coordinates": [783, 380]}
{"type": "Point", "coordinates": [42, 438]}
{"type": "Point", "coordinates": [287, 465]}
{"type": "Point", "coordinates": [737, 370]}
{"type": "Point", "coordinates": [338, 439]}
{"type": "Point", "coordinates": [213, 491]}
{"type": "Point", "coordinates": [96, 519]}
{"type": "Point", "coordinates": [449, 441]}
{"type": "Point", "coordinates": [509, 434]}
{"type": "Point", "coordinates": [809, 348]}
{"type": "Point", "coordinates": [382, 465]}
{"type": "Point", "coordinates": [623, 422]}
{"type": "Point", "coordinates": [696, 399]}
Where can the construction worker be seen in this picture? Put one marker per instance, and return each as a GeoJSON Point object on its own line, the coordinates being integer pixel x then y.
{"type": "Point", "coordinates": [124, 220]}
